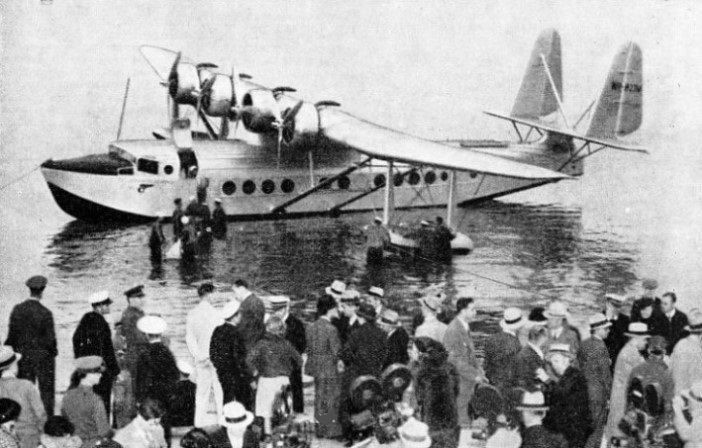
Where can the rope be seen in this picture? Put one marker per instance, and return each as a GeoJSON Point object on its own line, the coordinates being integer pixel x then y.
{"type": "Point", "coordinates": [20, 177]}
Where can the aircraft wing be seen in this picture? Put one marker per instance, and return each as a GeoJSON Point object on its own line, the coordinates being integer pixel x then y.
{"type": "Point", "coordinates": [387, 144]}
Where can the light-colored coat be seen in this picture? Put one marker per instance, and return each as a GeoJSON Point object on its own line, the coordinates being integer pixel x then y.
{"type": "Point", "coordinates": [686, 363]}
{"type": "Point", "coordinates": [461, 350]}
{"type": "Point", "coordinates": [30, 422]}
{"type": "Point", "coordinates": [628, 358]}
{"type": "Point", "coordinates": [141, 434]}
{"type": "Point", "coordinates": [323, 348]}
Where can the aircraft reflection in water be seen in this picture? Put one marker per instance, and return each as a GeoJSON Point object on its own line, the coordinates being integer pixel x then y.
{"type": "Point", "coordinates": [274, 156]}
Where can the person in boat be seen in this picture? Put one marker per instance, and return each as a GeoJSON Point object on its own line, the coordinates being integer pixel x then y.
{"type": "Point", "coordinates": [426, 244]}
{"type": "Point", "coordinates": [156, 239]}
{"type": "Point", "coordinates": [377, 238]}
{"type": "Point", "coordinates": [178, 213]}
{"type": "Point", "coordinates": [443, 236]}
{"type": "Point", "coordinates": [219, 221]}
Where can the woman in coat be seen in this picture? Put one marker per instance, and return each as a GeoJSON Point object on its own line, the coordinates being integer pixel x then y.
{"type": "Point", "coordinates": [145, 431]}
{"type": "Point", "coordinates": [437, 386]}
{"type": "Point", "coordinates": [33, 415]}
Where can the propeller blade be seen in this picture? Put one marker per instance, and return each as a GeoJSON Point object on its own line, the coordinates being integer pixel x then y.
{"type": "Point", "coordinates": [288, 127]}
{"type": "Point", "coordinates": [280, 141]}
{"type": "Point", "coordinates": [173, 76]}
{"type": "Point", "coordinates": [224, 128]}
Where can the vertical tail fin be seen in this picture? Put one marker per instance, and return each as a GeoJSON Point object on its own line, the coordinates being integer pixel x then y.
{"type": "Point", "coordinates": [536, 97]}
{"type": "Point", "coordinates": [619, 109]}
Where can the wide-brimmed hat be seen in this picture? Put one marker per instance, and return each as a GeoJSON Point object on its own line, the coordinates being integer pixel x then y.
{"type": "Point", "coordinates": [8, 356]}
{"type": "Point", "coordinates": [511, 319]}
{"type": "Point", "coordinates": [100, 298]}
{"type": "Point", "coordinates": [414, 434]}
{"type": "Point", "coordinates": [230, 309]}
{"type": "Point", "coordinates": [556, 309]}
{"type": "Point", "coordinates": [637, 329]}
{"type": "Point", "coordinates": [390, 318]}
{"type": "Point", "coordinates": [90, 364]}
{"type": "Point", "coordinates": [532, 401]}
{"type": "Point", "coordinates": [433, 302]}
{"type": "Point", "coordinates": [152, 325]}
{"type": "Point", "coordinates": [649, 283]}
{"type": "Point", "coordinates": [276, 303]}
{"type": "Point", "coordinates": [694, 321]}
{"type": "Point", "coordinates": [599, 320]}
{"type": "Point", "coordinates": [235, 415]}
{"type": "Point", "coordinates": [36, 282]}
{"type": "Point", "coordinates": [9, 410]}
{"type": "Point", "coordinates": [615, 299]}
{"type": "Point", "coordinates": [350, 296]}
{"type": "Point", "coordinates": [366, 311]}
{"type": "Point", "coordinates": [376, 291]}
{"type": "Point", "coordinates": [336, 289]}
{"type": "Point", "coordinates": [560, 349]}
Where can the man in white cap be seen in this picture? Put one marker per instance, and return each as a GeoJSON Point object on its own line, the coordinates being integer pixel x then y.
{"type": "Point", "coordinates": [199, 326]}
{"type": "Point", "coordinates": [616, 339]}
{"type": "Point", "coordinates": [431, 327]}
{"type": "Point", "coordinates": [94, 338]}
{"type": "Point", "coordinates": [559, 331]}
{"type": "Point", "coordinates": [501, 350]}
{"type": "Point", "coordinates": [158, 374]}
{"type": "Point", "coordinates": [593, 359]}
{"type": "Point", "coordinates": [629, 357]}
{"type": "Point", "coordinates": [377, 238]}
{"type": "Point", "coordinates": [295, 334]}
{"type": "Point", "coordinates": [228, 355]}
{"type": "Point", "coordinates": [686, 360]}
{"type": "Point", "coordinates": [533, 410]}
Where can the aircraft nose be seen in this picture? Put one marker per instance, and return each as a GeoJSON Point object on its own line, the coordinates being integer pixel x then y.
{"type": "Point", "coordinates": [101, 164]}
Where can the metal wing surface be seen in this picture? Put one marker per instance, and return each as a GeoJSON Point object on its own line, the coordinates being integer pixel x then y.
{"type": "Point", "coordinates": [387, 144]}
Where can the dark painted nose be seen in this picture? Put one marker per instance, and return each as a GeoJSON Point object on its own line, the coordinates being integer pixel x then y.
{"type": "Point", "coordinates": [103, 164]}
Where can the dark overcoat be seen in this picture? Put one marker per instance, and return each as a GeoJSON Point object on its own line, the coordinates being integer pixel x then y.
{"type": "Point", "coordinates": [616, 338]}
{"type": "Point", "coordinates": [295, 334]}
{"type": "Point", "coordinates": [501, 351]}
{"type": "Point", "coordinates": [158, 373]}
{"type": "Point", "coordinates": [675, 329]}
{"type": "Point", "coordinates": [345, 328]}
{"type": "Point", "coordinates": [397, 348]}
{"type": "Point", "coordinates": [595, 364]}
{"type": "Point", "coordinates": [569, 412]}
{"type": "Point", "coordinates": [228, 355]}
{"type": "Point", "coordinates": [136, 340]}
{"type": "Point", "coordinates": [525, 365]}
{"type": "Point", "coordinates": [540, 437]}
{"type": "Point", "coordinates": [365, 351]}
{"type": "Point", "coordinates": [436, 390]}
{"type": "Point", "coordinates": [251, 326]}
{"type": "Point", "coordinates": [219, 438]}
{"type": "Point", "coordinates": [94, 338]}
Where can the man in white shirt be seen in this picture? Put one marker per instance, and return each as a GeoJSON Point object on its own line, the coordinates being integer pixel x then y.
{"type": "Point", "coordinates": [200, 324]}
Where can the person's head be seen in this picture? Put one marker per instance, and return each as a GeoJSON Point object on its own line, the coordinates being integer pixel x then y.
{"type": "Point", "coordinates": [9, 411]}
{"type": "Point", "coordinates": [599, 325]}
{"type": "Point", "coordinates": [327, 306]}
{"type": "Point", "coordinates": [9, 360]}
{"type": "Point", "coordinates": [151, 410]}
{"type": "Point", "coordinates": [279, 306]}
{"type": "Point", "coordinates": [178, 203]}
{"type": "Point", "coordinates": [58, 426]}
{"type": "Point", "coordinates": [560, 357]}
{"type": "Point", "coordinates": [431, 305]}
{"type": "Point", "coordinates": [241, 289]}
{"type": "Point", "coordinates": [649, 286]}
{"type": "Point", "coordinates": [694, 326]}
{"type": "Point", "coordinates": [646, 307]}
{"type": "Point", "coordinates": [100, 301]}
{"type": "Point", "coordinates": [389, 320]}
{"type": "Point", "coordinates": [366, 312]}
{"type": "Point", "coordinates": [218, 203]}
{"type": "Point", "coordinates": [276, 326]}
{"type": "Point", "coordinates": [375, 296]}
{"type": "Point", "coordinates": [668, 301]}
{"type": "Point", "coordinates": [235, 418]}
{"type": "Point", "coordinates": [657, 347]}
{"type": "Point", "coordinates": [430, 351]}
{"type": "Point", "coordinates": [532, 406]}
{"type": "Point", "coordinates": [556, 313]}
{"type": "Point", "coordinates": [638, 335]}
{"type": "Point", "coordinates": [378, 221]}
{"type": "Point", "coordinates": [88, 371]}
{"type": "Point", "coordinates": [205, 289]}
{"type": "Point", "coordinates": [538, 336]}
{"type": "Point", "coordinates": [230, 312]}
{"type": "Point", "coordinates": [196, 438]}
{"type": "Point", "coordinates": [348, 305]}
{"type": "Point", "coordinates": [135, 296]}
{"type": "Point", "coordinates": [614, 303]}
{"type": "Point", "coordinates": [465, 309]}
{"type": "Point", "coordinates": [439, 220]}
{"type": "Point", "coordinates": [152, 326]}
{"type": "Point", "coordinates": [36, 285]}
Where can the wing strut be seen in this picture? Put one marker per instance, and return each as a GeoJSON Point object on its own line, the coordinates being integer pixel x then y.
{"type": "Point", "coordinates": [281, 208]}
{"type": "Point", "coordinates": [451, 200]}
{"type": "Point", "coordinates": [389, 206]}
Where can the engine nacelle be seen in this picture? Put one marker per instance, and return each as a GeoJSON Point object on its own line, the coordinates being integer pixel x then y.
{"type": "Point", "coordinates": [183, 83]}
{"type": "Point", "coordinates": [217, 101]}
{"type": "Point", "coordinates": [302, 131]}
{"type": "Point", "coordinates": [260, 111]}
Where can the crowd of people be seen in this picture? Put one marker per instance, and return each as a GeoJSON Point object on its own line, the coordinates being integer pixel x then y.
{"type": "Point", "coordinates": [554, 385]}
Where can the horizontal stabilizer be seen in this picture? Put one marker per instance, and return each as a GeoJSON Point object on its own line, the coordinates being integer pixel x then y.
{"type": "Point", "coordinates": [619, 108]}
{"type": "Point", "coordinates": [536, 97]}
{"type": "Point", "coordinates": [387, 144]}
{"type": "Point", "coordinates": [608, 142]}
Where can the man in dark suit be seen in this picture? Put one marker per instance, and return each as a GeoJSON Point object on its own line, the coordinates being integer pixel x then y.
{"type": "Point", "coordinates": [616, 339]}
{"type": "Point", "coordinates": [136, 340]}
{"type": "Point", "coordinates": [594, 360]}
{"type": "Point", "coordinates": [295, 334]}
{"type": "Point", "coordinates": [676, 320]}
{"type": "Point", "coordinates": [501, 350]}
{"type": "Point", "coordinates": [31, 333]}
{"type": "Point", "coordinates": [94, 338]}
{"type": "Point", "coordinates": [398, 339]}
{"type": "Point", "coordinates": [530, 361]}
{"type": "Point", "coordinates": [533, 409]}
{"type": "Point", "coordinates": [348, 321]}
{"type": "Point", "coordinates": [252, 314]}
{"type": "Point", "coordinates": [228, 355]}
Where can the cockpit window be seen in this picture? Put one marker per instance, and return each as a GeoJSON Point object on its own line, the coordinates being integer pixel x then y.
{"type": "Point", "coordinates": [147, 166]}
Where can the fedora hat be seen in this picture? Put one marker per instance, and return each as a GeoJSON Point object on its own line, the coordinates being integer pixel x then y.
{"type": "Point", "coordinates": [560, 349]}
{"type": "Point", "coordinates": [615, 299]}
{"type": "Point", "coordinates": [8, 357]}
{"type": "Point", "coordinates": [556, 309]}
{"type": "Point", "coordinates": [376, 291]}
{"type": "Point", "coordinates": [414, 434]}
{"type": "Point", "coordinates": [511, 319]}
{"type": "Point", "coordinates": [336, 289]}
{"type": "Point", "coordinates": [235, 415]}
{"type": "Point", "coordinates": [390, 318]}
{"type": "Point", "coordinates": [532, 401]}
{"type": "Point", "coordinates": [599, 320]}
{"type": "Point", "coordinates": [152, 325]}
{"type": "Point", "coordinates": [694, 321]}
{"type": "Point", "coordinates": [637, 329]}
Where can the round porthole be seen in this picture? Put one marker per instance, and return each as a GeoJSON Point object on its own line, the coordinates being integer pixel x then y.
{"type": "Point", "coordinates": [249, 187]}
{"type": "Point", "coordinates": [287, 186]}
{"type": "Point", "coordinates": [444, 176]}
{"type": "Point", "coordinates": [397, 180]}
{"type": "Point", "coordinates": [268, 186]}
{"type": "Point", "coordinates": [379, 180]}
{"type": "Point", "coordinates": [228, 188]}
{"type": "Point", "coordinates": [473, 174]}
{"type": "Point", "coordinates": [168, 169]}
{"type": "Point", "coordinates": [414, 178]}
{"type": "Point", "coordinates": [344, 182]}
{"type": "Point", "coordinates": [430, 177]}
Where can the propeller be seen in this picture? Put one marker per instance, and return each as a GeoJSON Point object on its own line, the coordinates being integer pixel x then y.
{"type": "Point", "coordinates": [203, 95]}
{"type": "Point", "coordinates": [286, 128]}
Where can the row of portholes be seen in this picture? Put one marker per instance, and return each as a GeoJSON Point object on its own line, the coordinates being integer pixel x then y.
{"type": "Point", "coordinates": [249, 187]}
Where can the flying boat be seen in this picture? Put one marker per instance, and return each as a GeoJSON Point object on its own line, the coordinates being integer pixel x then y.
{"type": "Point", "coordinates": [269, 155]}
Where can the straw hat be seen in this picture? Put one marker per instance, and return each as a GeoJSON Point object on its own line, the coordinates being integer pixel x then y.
{"type": "Point", "coordinates": [637, 329]}
{"type": "Point", "coordinates": [560, 349]}
{"type": "Point", "coordinates": [377, 292]}
{"type": "Point", "coordinates": [512, 319]}
{"type": "Point", "coordinates": [599, 320]}
{"type": "Point", "coordinates": [8, 356]}
{"type": "Point", "coordinates": [234, 415]}
{"type": "Point", "coordinates": [556, 309]}
{"type": "Point", "coordinates": [414, 434]}
{"type": "Point", "coordinates": [336, 289]}
{"type": "Point", "coordinates": [694, 321]}
{"type": "Point", "coordinates": [615, 299]}
{"type": "Point", "coordinates": [390, 318]}
{"type": "Point", "coordinates": [532, 401]}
